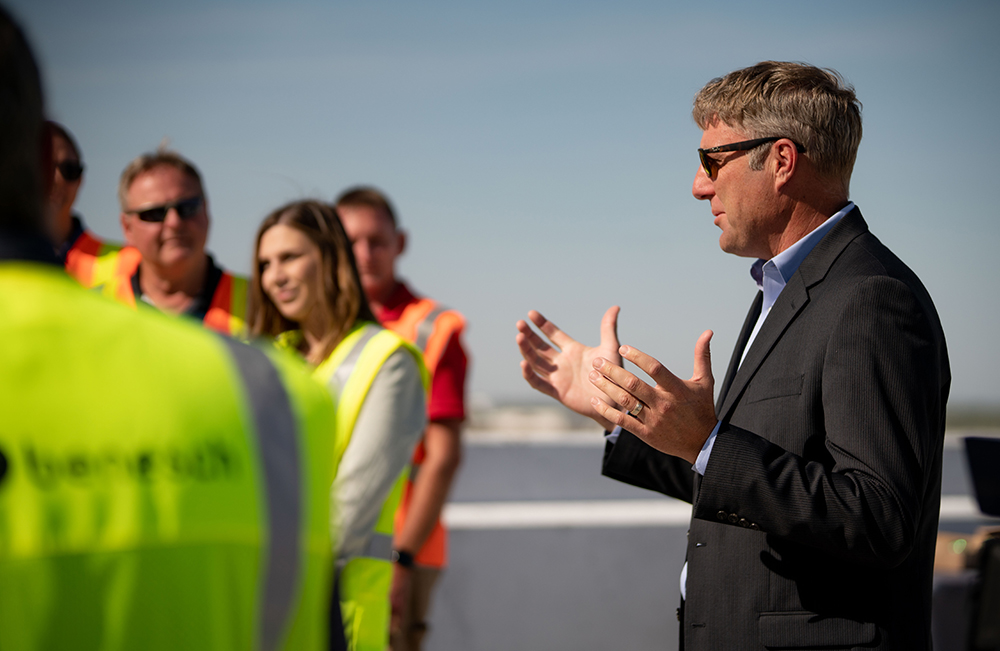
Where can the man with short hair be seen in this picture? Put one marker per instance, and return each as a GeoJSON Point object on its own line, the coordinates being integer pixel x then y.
{"type": "Point", "coordinates": [88, 258]}
{"type": "Point", "coordinates": [815, 480]}
{"type": "Point", "coordinates": [165, 219]}
{"type": "Point", "coordinates": [420, 543]}
{"type": "Point", "coordinates": [161, 487]}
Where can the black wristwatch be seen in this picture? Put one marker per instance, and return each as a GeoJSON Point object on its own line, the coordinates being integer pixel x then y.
{"type": "Point", "coordinates": [403, 559]}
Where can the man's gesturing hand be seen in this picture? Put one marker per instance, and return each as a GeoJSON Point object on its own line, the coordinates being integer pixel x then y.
{"type": "Point", "coordinates": [676, 416]}
{"type": "Point", "coordinates": [560, 371]}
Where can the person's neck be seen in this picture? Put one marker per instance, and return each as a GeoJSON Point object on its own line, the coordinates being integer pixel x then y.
{"type": "Point", "coordinates": [377, 303]}
{"type": "Point", "coordinates": [807, 217]}
{"type": "Point", "coordinates": [62, 227]}
{"type": "Point", "coordinates": [314, 331]}
{"type": "Point", "coordinates": [173, 290]}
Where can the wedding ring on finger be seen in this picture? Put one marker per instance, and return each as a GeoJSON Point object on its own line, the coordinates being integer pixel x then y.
{"type": "Point", "coordinates": [635, 411]}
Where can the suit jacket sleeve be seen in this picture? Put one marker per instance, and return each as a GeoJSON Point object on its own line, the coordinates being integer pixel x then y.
{"type": "Point", "coordinates": [631, 461]}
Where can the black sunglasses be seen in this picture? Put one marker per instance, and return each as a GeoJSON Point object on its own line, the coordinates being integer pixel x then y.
{"type": "Point", "coordinates": [186, 208]}
{"type": "Point", "coordinates": [711, 166]}
{"type": "Point", "coordinates": [70, 170]}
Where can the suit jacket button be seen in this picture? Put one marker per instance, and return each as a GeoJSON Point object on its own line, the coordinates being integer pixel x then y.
{"type": "Point", "coordinates": [744, 523]}
{"type": "Point", "coordinates": [733, 518]}
{"type": "Point", "coordinates": [721, 515]}
{"type": "Point", "coordinates": [754, 527]}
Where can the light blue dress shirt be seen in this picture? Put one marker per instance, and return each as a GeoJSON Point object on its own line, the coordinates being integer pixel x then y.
{"type": "Point", "coordinates": [771, 277]}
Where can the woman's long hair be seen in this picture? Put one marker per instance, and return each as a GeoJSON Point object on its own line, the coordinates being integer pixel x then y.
{"type": "Point", "coordinates": [343, 298]}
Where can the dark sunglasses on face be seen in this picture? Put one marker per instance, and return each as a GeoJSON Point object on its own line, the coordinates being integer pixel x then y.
{"type": "Point", "coordinates": [711, 166]}
{"type": "Point", "coordinates": [70, 170]}
{"type": "Point", "coordinates": [186, 208]}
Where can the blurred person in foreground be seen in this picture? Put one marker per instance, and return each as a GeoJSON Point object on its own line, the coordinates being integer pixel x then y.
{"type": "Point", "coordinates": [165, 219]}
{"type": "Point", "coordinates": [86, 257]}
{"type": "Point", "coordinates": [160, 487]}
{"type": "Point", "coordinates": [420, 539]}
{"type": "Point", "coordinates": [306, 294]}
{"type": "Point", "coordinates": [816, 478]}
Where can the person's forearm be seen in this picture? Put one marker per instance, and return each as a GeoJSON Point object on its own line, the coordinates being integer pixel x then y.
{"type": "Point", "coordinates": [442, 442]}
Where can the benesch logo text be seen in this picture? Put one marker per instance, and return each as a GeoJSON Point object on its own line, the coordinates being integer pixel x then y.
{"type": "Point", "coordinates": [203, 461]}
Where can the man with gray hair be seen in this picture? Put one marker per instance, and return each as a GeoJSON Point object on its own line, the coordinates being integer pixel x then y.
{"type": "Point", "coordinates": [815, 479]}
{"type": "Point", "coordinates": [165, 220]}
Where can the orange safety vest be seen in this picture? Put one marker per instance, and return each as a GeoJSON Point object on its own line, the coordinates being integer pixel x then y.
{"type": "Point", "coordinates": [429, 326]}
{"type": "Point", "coordinates": [92, 261]}
{"type": "Point", "coordinates": [226, 313]}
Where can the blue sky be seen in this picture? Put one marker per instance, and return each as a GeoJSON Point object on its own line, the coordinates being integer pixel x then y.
{"type": "Point", "coordinates": [541, 154]}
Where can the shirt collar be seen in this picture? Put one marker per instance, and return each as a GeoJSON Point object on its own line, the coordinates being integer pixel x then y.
{"type": "Point", "coordinates": [26, 247]}
{"type": "Point", "coordinates": [393, 307]}
{"type": "Point", "coordinates": [202, 302]}
{"type": "Point", "coordinates": [771, 275]}
{"type": "Point", "coordinates": [75, 231]}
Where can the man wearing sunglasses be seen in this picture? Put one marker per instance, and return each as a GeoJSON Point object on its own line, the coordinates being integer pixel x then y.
{"type": "Point", "coordinates": [165, 219]}
{"type": "Point", "coordinates": [86, 257]}
{"type": "Point", "coordinates": [815, 479]}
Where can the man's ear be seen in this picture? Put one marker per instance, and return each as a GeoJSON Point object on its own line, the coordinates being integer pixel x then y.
{"type": "Point", "coordinates": [208, 215]}
{"type": "Point", "coordinates": [401, 239]}
{"type": "Point", "coordinates": [126, 223]}
{"type": "Point", "coordinates": [786, 161]}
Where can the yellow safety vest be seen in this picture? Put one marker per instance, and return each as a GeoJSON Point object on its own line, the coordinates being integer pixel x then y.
{"type": "Point", "coordinates": [365, 581]}
{"type": "Point", "coordinates": [161, 487]}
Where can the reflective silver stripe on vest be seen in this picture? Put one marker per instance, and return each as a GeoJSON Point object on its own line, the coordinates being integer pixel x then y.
{"type": "Point", "coordinates": [343, 372]}
{"type": "Point", "coordinates": [279, 457]}
{"type": "Point", "coordinates": [426, 327]}
{"type": "Point", "coordinates": [379, 547]}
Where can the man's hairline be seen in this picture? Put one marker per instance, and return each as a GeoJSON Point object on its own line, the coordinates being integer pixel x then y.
{"type": "Point", "coordinates": [158, 165]}
{"type": "Point", "coordinates": [381, 212]}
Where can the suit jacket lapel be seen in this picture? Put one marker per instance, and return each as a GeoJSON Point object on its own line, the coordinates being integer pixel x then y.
{"type": "Point", "coordinates": [741, 343]}
{"type": "Point", "coordinates": [790, 302]}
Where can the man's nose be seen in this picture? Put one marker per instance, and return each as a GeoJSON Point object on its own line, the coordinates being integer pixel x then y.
{"type": "Point", "coordinates": [362, 252]}
{"type": "Point", "coordinates": [172, 217]}
{"type": "Point", "coordinates": [702, 188]}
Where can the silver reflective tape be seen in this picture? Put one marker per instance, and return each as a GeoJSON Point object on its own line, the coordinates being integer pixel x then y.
{"type": "Point", "coordinates": [279, 457]}
{"type": "Point", "coordinates": [379, 547]}
{"type": "Point", "coordinates": [426, 327]}
{"type": "Point", "coordinates": [343, 372]}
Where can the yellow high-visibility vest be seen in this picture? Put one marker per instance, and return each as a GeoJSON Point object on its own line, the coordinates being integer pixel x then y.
{"type": "Point", "coordinates": [365, 580]}
{"type": "Point", "coordinates": [161, 487]}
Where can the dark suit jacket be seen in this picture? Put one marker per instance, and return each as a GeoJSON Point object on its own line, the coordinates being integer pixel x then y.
{"type": "Point", "coordinates": [815, 522]}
